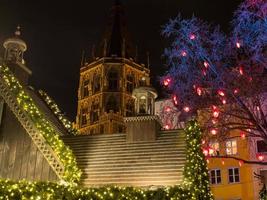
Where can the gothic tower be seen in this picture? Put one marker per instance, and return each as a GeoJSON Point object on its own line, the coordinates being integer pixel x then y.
{"type": "Point", "coordinates": [106, 84]}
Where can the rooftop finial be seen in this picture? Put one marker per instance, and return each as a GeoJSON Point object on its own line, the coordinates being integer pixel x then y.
{"type": "Point", "coordinates": [17, 32]}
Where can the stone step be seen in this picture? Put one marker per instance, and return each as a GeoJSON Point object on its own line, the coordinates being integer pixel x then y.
{"type": "Point", "coordinates": [113, 137]}
{"type": "Point", "coordinates": [135, 183]}
{"type": "Point", "coordinates": [127, 156]}
{"type": "Point", "coordinates": [110, 180]}
{"type": "Point", "coordinates": [128, 149]}
{"type": "Point", "coordinates": [114, 164]}
{"type": "Point", "coordinates": [176, 168]}
{"type": "Point", "coordinates": [134, 175]}
{"type": "Point", "coordinates": [119, 143]}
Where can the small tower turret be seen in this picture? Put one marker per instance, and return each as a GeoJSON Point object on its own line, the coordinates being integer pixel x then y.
{"type": "Point", "coordinates": [14, 50]}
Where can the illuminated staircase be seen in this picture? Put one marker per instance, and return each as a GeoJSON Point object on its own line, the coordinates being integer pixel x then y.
{"type": "Point", "coordinates": [108, 159]}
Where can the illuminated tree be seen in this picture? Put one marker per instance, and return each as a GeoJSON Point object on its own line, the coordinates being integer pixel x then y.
{"type": "Point", "coordinates": [222, 75]}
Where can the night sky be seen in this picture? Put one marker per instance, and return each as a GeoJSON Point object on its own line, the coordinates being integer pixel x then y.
{"type": "Point", "coordinates": [57, 32]}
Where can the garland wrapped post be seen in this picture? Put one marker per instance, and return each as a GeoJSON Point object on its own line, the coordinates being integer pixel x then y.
{"type": "Point", "coordinates": [58, 113]}
{"type": "Point", "coordinates": [196, 177]}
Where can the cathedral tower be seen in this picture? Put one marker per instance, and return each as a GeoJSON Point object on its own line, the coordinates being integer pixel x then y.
{"type": "Point", "coordinates": [106, 84]}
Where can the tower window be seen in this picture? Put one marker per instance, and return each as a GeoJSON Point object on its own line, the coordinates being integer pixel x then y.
{"type": "Point", "coordinates": [129, 83]}
{"type": "Point", "coordinates": [83, 116]}
{"type": "Point", "coordinates": [113, 80]}
{"type": "Point", "coordinates": [86, 88]}
{"type": "Point", "coordinates": [96, 83]}
{"type": "Point", "coordinates": [112, 104]}
{"type": "Point", "coordinates": [94, 115]}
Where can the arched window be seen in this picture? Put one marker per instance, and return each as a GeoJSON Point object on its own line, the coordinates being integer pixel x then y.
{"type": "Point", "coordinates": [113, 80]}
{"type": "Point", "coordinates": [129, 82]}
{"type": "Point", "coordinates": [96, 83]}
{"type": "Point", "coordinates": [142, 105]}
{"type": "Point", "coordinates": [112, 105]}
{"type": "Point", "coordinates": [130, 108]}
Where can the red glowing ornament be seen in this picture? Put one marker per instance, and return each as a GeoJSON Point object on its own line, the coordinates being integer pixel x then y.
{"type": "Point", "coordinates": [175, 100]}
{"type": "Point", "coordinates": [213, 131]}
{"type": "Point", "coordinates": [238, 45]}
{"type": "Point", "coordinates": [224, 101]}
{"type": "Point", "coordinates": [186, 109]}
{"type": "Point", "coordinates": [167, 81]}
{"type": "Point", "coordinates": [167, 126]}
{"type": "Point", "coordinates": [221, 93]}
{"type": "Point", "coordinates": [184, 53]}
{"type": "Point", "coordinates": [236, 91]}
{"type": "Point", "coordinates": [260, 157]}
{"type": "Point", "coordinates": [192, 36]}
{"type": "Point", "coordinates": [199, 91]}
{"type": "Point", "coordinates": [241, 71]}
{"type": "Point", "coordinates": [216, 113]}
{"type": "Point", "coordinates": [206, 64]}
{"type": "Point", "coordinates": [243, 135]}
{"type": "Point", "coordinates": [205, 152]}
{"type": "Point", "coordinates": [167, 109]}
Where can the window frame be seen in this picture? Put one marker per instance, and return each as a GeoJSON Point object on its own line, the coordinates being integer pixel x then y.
{"type": "Point", "coordinates": [216, 176]}
{"type": "Point", "coordinates": [234, 175]}
{"type": "Point", "coordinates": [226, 147]}
{"type": "Point", "coordinates": [216, 151]}
{"type": "Point", "coordinates": [257, 149]}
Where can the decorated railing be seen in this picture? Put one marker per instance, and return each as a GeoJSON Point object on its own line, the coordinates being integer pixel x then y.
{"type": "Point", "coordinates": [59, 156]}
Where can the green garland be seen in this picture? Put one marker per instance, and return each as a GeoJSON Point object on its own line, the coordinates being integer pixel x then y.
{"type": "Point", "coordinates": [23, 190]}
{"type": "Point", "coordinates": [61, 117]}
{"type": "Point", "coordinates": [263, 193]}
{"type": "Point", "coordinates": [195, 184]}
{"type": "Point", "coordinates": [72, 173]}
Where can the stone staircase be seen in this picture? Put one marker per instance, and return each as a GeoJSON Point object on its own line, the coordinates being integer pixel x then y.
{"type": "Point", "coordinates": [109, 159]}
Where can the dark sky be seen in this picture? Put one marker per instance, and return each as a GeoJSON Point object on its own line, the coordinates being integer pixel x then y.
{"type": "Point", "coordinates": [57, 31]}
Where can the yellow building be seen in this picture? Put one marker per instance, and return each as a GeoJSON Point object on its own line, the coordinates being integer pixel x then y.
{"type": "Point", "coordinates": [107, 82]}
{"type": "Point", "coordinates": [230, 178]}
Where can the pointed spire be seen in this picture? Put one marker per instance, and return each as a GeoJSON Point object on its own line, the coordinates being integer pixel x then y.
{"type": "Point", "coordinates": [116, 40]}
{"type": "Point", "coordinates": [82, 58]}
